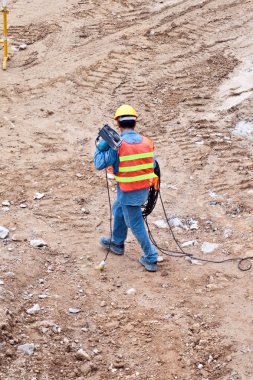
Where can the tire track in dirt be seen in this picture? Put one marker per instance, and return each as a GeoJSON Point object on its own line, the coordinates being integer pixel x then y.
{"type": "Point", "coordinates": [171, 324]}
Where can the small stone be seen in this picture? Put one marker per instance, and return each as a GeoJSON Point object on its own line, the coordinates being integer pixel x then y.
{"type": "Point", "coordinates": [152, 33]}
{"type": "Point", "coordinates": [103, 304]}
{"type": "Point", "coordinates": [74, 310]}
{"type": "Point", "coordinates": [4, 232]}
{"type": "Point", "coordinates": [42, 296]}
{"type": "Point", "coordinates": [5, 208]}
{"type": "Point", "coordinates": [10, 274]}
{"type": "Point", "coordinates": [56, 329]}
{"type": "Point", "coordinates": [209, 247]}
{"type": "Point", "coordinates": [17, 237]}
{"type": "Point", "coordinates": [119, 365]}
{"type": "Point", "coordinates": [189, 243]}
{"type": "Point", "coordinates": [161, 224]}
{"type": "Point", "coordinates": [245, 350]}
{"type": "Point", "coordinates": [37, 243]}
{"type": "Point", "coordinates": [23, 205]}
{"type": "Point", "coordinates": [79, 175]}
{"type": "Point", "coordinates": [176, 222]}
{"type": "Point", "coordinates": [6, 203]}
{"type": "Point", "coordinates": [200, 366]}
{"type": "Point", "coordinates": [160, 259]}
{"type": "Point", "coordinates": [27, 348]}
{"type": "Point", "coordinates": [33, 310]}
{"type": "Point", "coordinates": [84, 211]}
{"type": "Point", "coordinates": [193, 261]}
{"type": "Point", "coordinates": [38, 195]}
{"type": "Point", "coordinates": [227, 233]}
{"type": "Point", "coordinates": [22, 46]}
{"type": "Point", "coordinates": [1, 282]}
{"type": "Point", "coordinates": [193, 224]}
{"type": "Point", "coordinates": [130, 291]}
{"type": "Point", "coordinates": [82, 355]}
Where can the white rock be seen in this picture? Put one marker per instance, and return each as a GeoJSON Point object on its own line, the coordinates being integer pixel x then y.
{"type": "Point", "coordinates": [33, 310]}
{"type": "Point", "coordinates": [10, 274]}
{"type": "Point", "coordinates": [6, 203]}
{"type": "Point", "coordinates": [193, 261]}
{"type": "Point", "coordinates": [82, 355]}
{"type": "Point", "coordinates": [27, 348]}
{"type": "Point", "coordinates": [244, 128]}
{"type": "Point", "coordinates": [22, 46]}
{"type": "Point", "coordinates": [3, 232]}
{"type": "Point", "coordinates": [160, 259]}
{"type": "Point", "coordinates": [74, 310]}
{"type": "Point", "coordinates": [56, 329]}
{"type": "Point", "coordinates": [22, 205]}
{"type": "Point", "coordinates": [213, 194]}
{"type": "Point", "coordinates": [193, 224]}
{"type": "Point", "coordinates": [209, 247]}
{"type": "Point", "coordinates": [189, 243]}
{"type": "Point", "coordinates": [245, 350]}
{"type": "Point", "coordinates": [227, 233]}
{"type": "Point", "coordinates": [5, 208]}
{"type": "Point", "coordinates": [130, 291]}
{"type": "Point", "coordinates": [200, 366]}
{"type": "Point", "coordinates": [161, 224]}
{"type": "Point", "coordinates": [176, 222]}
{"type": "Point", "coordinates": [38, 195]}
{"type": "Point", "coordinates": [37, 243]}
{"type": "Point", "coordinates": [42, 296]}
{"type": "Point", "coordinates": [84, 211]}
{"type": "Point", "coordinates": [1, 282]}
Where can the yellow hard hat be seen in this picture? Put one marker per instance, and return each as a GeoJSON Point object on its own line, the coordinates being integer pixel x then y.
{"type": "Point", "coordinates": [125, 110]}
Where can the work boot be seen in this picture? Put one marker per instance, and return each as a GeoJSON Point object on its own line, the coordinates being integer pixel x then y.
{"type": "Point", "coordinates": [151, 267]}
{"type": "Point", "coordinates": [105, 242]}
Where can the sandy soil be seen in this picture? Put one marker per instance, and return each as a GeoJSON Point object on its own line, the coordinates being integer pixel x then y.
{"type": "Point", "coordinates": [187, 67]}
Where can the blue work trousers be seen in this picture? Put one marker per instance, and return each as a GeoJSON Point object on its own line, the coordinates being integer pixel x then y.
{"type": "Point", "coordinates": [125, 217]}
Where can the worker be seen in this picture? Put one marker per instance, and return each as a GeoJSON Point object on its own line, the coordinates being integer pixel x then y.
{"type": "Point", "coordinates": [133, 166]}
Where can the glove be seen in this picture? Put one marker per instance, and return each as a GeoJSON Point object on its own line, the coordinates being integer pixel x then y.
{"type": "Point", "coordinates": [102, 145]}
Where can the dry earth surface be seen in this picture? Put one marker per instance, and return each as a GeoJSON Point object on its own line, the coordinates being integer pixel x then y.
{"type": "Point", "coordinates": [187, 67]}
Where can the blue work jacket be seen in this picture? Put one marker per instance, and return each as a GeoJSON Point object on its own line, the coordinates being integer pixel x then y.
{"type": "Point", "coordinates": [111, 158]}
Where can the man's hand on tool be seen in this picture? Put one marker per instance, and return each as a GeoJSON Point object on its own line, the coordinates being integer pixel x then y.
{"type": "Point", "coordinates": [102, 145]}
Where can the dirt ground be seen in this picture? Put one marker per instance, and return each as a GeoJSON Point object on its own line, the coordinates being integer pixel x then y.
{"type": "Point", "coordinates": [187, 67]}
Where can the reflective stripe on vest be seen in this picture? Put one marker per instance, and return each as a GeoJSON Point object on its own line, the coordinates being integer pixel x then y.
{"type": "Point", "coordinates": [136, 156]}
{"type": "Point", "coordinates": [134, 168]}
{"type": "Point", "coordinates": [136, 178]}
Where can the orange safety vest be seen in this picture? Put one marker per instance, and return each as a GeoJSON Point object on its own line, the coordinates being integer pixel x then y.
{"type": "Point", "coordinates": [136, 165]}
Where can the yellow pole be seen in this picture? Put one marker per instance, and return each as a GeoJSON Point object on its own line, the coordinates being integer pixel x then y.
{"type": "Point", "coordinates": [5, 37]}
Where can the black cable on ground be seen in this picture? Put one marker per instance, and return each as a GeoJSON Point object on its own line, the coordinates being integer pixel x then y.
{"type": "Point", "coordinates": [110, 210]}
{"type": "Point", "coordinates": [148, 208]}
{"type": "Point", "coordinates": [182, 253]}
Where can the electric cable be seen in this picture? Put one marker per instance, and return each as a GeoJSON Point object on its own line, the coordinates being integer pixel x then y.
{"type": "Point", "coordinates": [183, 254]}
{"type": "Point", "coordinates": [148, 207]}
{"type": "Point", "coordinates": [110, 211]}
{"type": "Point", "coordinates": [103, 263]}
